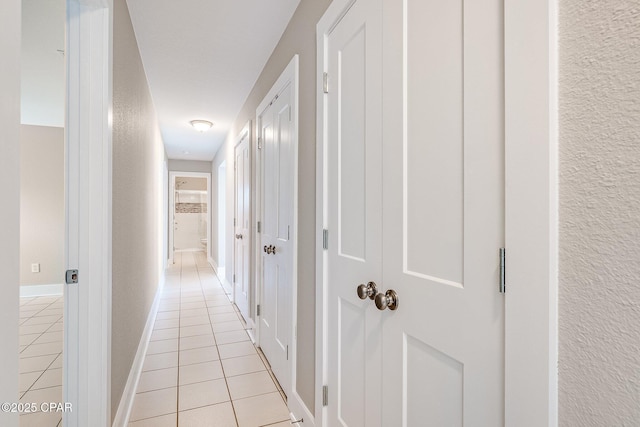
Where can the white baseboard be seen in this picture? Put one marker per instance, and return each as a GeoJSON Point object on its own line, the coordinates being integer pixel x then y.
{"type": "Point", "coordinates": [299, 411]}
{"type": "Point", "coordinates": [213, 264]}
{"type": "Point", "coordinates": [126, 402]}
{"type": "Point", "coordinates": [191, 250]}
{"type": "Point", "coordinates": [41, 290]}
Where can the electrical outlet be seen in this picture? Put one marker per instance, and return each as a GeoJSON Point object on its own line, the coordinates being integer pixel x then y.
{"type": "Point", "coordinates": [35, 268]}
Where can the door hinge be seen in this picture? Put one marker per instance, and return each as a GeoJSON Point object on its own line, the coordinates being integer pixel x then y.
{"type": "Point", "coordinates": [325, 395]}
{"type": "Point", "coordinates": [287, 352]}
{"type": "Point", "coordinates": [259, 143]}
{"type": "Point", "coordinates": [234, 278]}
{"type": "Point", "coordinates": [259, 226]}
{"type": "Point", "coordinates": [325, 82]}
{"type": "Point", "coordinates": [325, 239]}
{"type": "Point", "coordinates": [258, 310]}
{"type": "Point", "coordinates": [503, 283]}
{"type": "Point", "coordinates": [234, 222]}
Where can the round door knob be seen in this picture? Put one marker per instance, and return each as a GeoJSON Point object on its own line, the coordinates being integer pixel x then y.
{"type": "Point", "coordinates": [388, 299]}
{"type": "Point", "coordinates": [266, 250]}
{"type": "Point", "coordinates": [273, 250]}
{"type": "Point", "coordinates": [369, 290]}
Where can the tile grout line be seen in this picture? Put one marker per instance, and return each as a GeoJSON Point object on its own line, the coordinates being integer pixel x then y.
{"type": "Point", "coordinates": [224, 375]}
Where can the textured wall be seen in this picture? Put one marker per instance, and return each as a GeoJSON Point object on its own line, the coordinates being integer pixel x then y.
{"type": "Point", "coordinates": [599, 372]}
{"type": "Point", "coordinates": [42, 204]}
{"type": "Point", "coordinates": [138, 156]}
{"type": "Point", "coordinates": [298, 38]}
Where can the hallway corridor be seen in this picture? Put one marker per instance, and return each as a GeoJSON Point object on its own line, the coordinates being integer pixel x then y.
{"type": "Point", "coordinates": [201, 369]}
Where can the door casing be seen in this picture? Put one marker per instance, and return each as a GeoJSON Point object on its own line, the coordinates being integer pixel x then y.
{"type": "Point", "coordinates": [88, 148]}
{"type": "Point", "coordinates": [531, 210]}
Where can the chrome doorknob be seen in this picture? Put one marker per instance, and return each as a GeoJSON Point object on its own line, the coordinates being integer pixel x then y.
{"type": "Point", "coordinates": [273, 250]}
{"type": "Point", "coordinates": [388, 299]}
{"type": "Point", "coordinates": [238, 236]}
{"type": "Point", "coordinates": [369, 290]}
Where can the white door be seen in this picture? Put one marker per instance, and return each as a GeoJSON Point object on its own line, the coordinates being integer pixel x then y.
{"type": "Point", "coordinates": [277, 151]}
{"type": "Point", "coordinates": [444, 213]}
{"type": "Point", "coordinates": [243, 226]}
{"type": "Point", "coordinates": [441, 205]}
{"type": "Point", "coordinates": [354, 216]}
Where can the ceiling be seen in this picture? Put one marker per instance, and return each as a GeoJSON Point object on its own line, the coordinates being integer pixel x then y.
{"type": "Point", "coordinates": [202, 58]}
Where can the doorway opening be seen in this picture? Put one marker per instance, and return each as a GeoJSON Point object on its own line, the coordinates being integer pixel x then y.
{"type": "Point", "coordinates": [190, 229]}
{"type": "Point", "coordinates": [42, 207]}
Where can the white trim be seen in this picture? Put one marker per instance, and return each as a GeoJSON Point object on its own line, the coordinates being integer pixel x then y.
{"type": "Point", "coordinates": [41, 290]}
{"type": "Point", "coordinates": [172, 208]}
{"type": "Point", "coordinates": [531, 214]}
{"type": "Point", "coordinates": [88, 148]}
{"type": "Point", "coordinates": [531, 141]}
{"type": "Point", "coordinates": [289, 74]}
{"type": "Point", "coordinates": [121, 419]}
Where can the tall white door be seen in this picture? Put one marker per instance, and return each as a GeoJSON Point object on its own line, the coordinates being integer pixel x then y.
{"type": "Point", "coordinates": [354, 216]}
{"type": "Point", "coordinates": [443, 215]}
{"type": "Point", "coordinates": [276, 126]}
{"type": "Point", "coordinates": [438, 197]}
{"type": "Point", "coordinates": [241, 284]}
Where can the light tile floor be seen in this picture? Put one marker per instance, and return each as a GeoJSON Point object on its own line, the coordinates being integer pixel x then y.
{"type": "Point", "coordinates": [41, 357]}
{"type": "Point", "coordinates": [201, 369]}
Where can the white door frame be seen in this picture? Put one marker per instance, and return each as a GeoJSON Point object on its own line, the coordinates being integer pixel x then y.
{"type": "Point", "coordinates": [290, 74]}
{"type": "Point", "coordinates": [87, 306]}
{"type": "Point", "coordinates": [531, 207]}
{"type": "Point", "coordinates": [172, 207]}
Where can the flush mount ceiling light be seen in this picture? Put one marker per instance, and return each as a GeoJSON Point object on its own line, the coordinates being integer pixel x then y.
{"type": "Point", "coordinates": [201, 125]}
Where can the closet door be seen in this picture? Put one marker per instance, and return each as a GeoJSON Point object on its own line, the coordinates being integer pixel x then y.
{"type": "Point", "coordinates": [354, 204]}
{"type": "Point", "coordinates": [277, 233]}
{"type": "Point", "coordinates": [242, 242]}
{"type": "Point", "coordinates": [443, 214]}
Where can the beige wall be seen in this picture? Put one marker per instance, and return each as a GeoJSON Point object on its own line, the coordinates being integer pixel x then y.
{"type": "Point", "coordinates": [189, 166]}
{"type": "Point", "coordinates": [138, 156]}
{"type": "Point", "coordinates": [298, 38]}
{"type": "Point", "coordinates": [42, 204]}
{"type": "Point", "coordinates": [10, 212]}
{"type": "Point", "coordinates": [599, 378]}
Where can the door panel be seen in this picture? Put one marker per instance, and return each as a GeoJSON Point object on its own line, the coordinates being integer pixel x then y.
{"type": "Point", "coordinates": [277, 179]}
{"type": "Point", "coordinates": [434, 142]}
{"type": "Point", "coordinates": [241, 286]}
{"type": "Point", "coordinates": [444, 189]}
{"type": "Point", "coordinates": [354, 216]}
{"type": "Point", "coordinates": [430, 375]}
